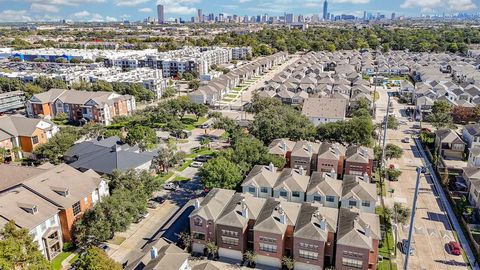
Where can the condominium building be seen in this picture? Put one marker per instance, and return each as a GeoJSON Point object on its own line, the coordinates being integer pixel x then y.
{"type": "Point", "coordinates": [11, 100]}
{"type": "Point", "coordinates": [241, 53]}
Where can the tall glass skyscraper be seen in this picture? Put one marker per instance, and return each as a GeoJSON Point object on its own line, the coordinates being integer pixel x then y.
{"type": "Point", "coordinates": [325, 10]}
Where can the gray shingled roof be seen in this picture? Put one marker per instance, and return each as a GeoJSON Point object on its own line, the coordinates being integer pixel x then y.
{"type": "Point", "coordinates": [232, 213]}
{"type": "Point", "coordinates": [269, 217]}
{"type": "Point", "coordinates": [213, 204]}
{"type": "Point", "coordinates": [309, 222]}
{"type": "Point", "coordinates": [324, 184]}
{"type": "Point", "coordinates": [351, 228]}
{"type": "Point", "coordinates": [354, 186]}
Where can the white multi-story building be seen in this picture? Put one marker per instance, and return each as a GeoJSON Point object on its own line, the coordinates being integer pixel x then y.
{"type": "Point", "coordinates": [241, 53]}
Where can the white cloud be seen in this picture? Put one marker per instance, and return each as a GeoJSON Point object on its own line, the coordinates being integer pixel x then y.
{"type": "Point", "coordinates": [14, 16]}
{"type": "Point", "coordinates": [183, 10]}
{"type": "Point", "coordinates": [81, 14]}
{"type": "Point", "coordinates": [65, 2]}
{"type": "Point", "coordinates": [145, 10]}
{"type": "Point", "coordinates": [244, 1]}
{"type": "Point", "coordinates": [110, 19]}
{"type": "Point", "coordinates": [130, 3]}
{"type": "Point", "coordinates": [429, 6]}
{"type": "Point", "coordinates": [36, 7]}
{"type": "Point", "coordinates": [181, 7]}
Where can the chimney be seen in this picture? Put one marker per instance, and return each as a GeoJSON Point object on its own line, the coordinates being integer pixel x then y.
{"type": "Point", "coordinates": [197, 204]}
{"type": "Point", "coordinates": [153, 252]}
{"type": "Point", "coordinates": [244, 209]}
{"type": "Point", "coordinates": [301, 171]}
{"type": "Point", "coordinates": [283, 145]}
{"type": "Point", "coordinates": [366, 178]}
{"type": "Point", "coordinates": [271, 167]}
{"type": "Point", "coordinates": [333, 173]}
{"type": "Point", "coordinates": [282, 217]}
{"type": "Point", "coordinates": [323, 224]}
{"type": "Point", "coordinates": [336, 150]}
{"type": "Point", "coordinates": [367, 230]}
{"type": "Point", "coordinates": [309, 148]}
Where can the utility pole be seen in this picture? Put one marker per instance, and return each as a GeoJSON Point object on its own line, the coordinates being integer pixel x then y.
{"type": "Point", "coordinates": [420, 170]}
{"type": "Point", "coordinates": [385, 127]}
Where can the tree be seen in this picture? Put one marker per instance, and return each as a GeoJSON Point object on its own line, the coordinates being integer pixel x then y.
{"type": "Point", "coordinates": [391, 151]}
{"type": "Point", "coordinates": [260, 103]}
{"type": "Point", "coordinates": [3, 154]}
{"type": "Point", "coordinates": [194, 84]}
{"type": "Point", "coordinates": [205, 142]}
{"type": "Point", "coordinates": [54, 149]}
{"type": "Point", "coordinates": [358, 130]}
{"type": "Point", "coordinates": [400, 213]}
{"type": "Point", "coordinates": [393, 174]}
{"type": "Point", "coordinates": [18, 251]}
{"type": "Point", "coordinates": [392, 122]}
{"type": "Point", "coordinates": [168, 156]}
{"type": "Point", "coordinates": [441, 106]}
{"type": "Point", "coordinates": [186, 239]}
{"type": "Point", "coordinates": [212, 249]}
{"type": "Point", "coordinates": [221, 173]}
{"type": "Point", "coordinates": [440, 120]}
{"type": "Point", "coordinates": [288, 262]}
{"type": "Point", "coordinates": [96, 259]}
{"type": "Point", "coordinates": [199, 110]}
{"type": "Point", "coordinates": [144, 136]}
{"type": "Point", "coordinates": [250, 257]}
{"type": "Point", "coordinates": [463, 114]}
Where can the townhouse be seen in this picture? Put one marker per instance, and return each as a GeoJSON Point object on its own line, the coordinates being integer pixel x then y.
{"type": "Point", "coordinates": [17, 131]}
{"type": "Point", "coordinates": [358, 193]}
{"type": "Point", "coordinates": [472, 178]}
{"type": "Point", "coordinates": [325, 189]}
{"type": "Point", "coordinates": [81, 106]}
{"type": "Point", "coordinates": [449, 144]}
{"type": "Point", "coordinates": [304, 155]}
{"type": "Point", "coordinates": [160, 255]}
{"type": "Point", "coordinates": [331, 156]}
{"type": "Point", "coordinates": [359, 160]}
{"type": "Point", "coordinates": [69, 191]}
{"type": "Point", "coordinates": [315, 236]}
{"type": "Point", "coordinates": [471, 135]}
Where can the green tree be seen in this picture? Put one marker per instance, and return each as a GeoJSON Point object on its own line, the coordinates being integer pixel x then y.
{"type": "Point", "coordinates": [194, 84]}
{"type": "Point", "coordinates": [358, 130]}
{"type": "Point", "coordinates": [393, 174]}
{"type": "Point", "coordinates": [144, 136]}
{"type": "Point", "coordinates": [440, 120]}
{"type": "Point", "coordinates": [3, 154]}
{"type": "Point", "coordinates": [250, 258]}
{"type": "Point", "coordinates": [391, 151]}
{"type": "Point", "coordinates": [101, 86]}
{"type": "Point", "coordinates": [400, 213]}
{"type": "Point", "coordinates": [96, 259]}
{"type": "Point", "coordinates": [221, 173]}
{"type": "Point", "coordinates": [168, 156]}
{"type": "Point", "coordinates": [18, 251]}
{"type": "Point", "coordinates": [392, 122]}
{"type": "Point", "coordinates": [260, 103]}
{"type": "Point", "coordinates": [54, 149]}
{"type": "Point", "coordinates": [288, 262]}
{"type": "Point", "coordinates": [199, 110]}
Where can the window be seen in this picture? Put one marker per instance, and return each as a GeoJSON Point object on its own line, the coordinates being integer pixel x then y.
{"type": "Point", "coordinates": [198, 222]}
{"type": "Point", "coordinates": [35, 139]}
{"type": "Point", "coordinates": [352, 263]}
{"type": "Point", "coordinates": [353, 254]}
{"type": "Point", "coordinates": [268, 239]}
{"type": "Point", "coordinates": [283, 194]}
{"type": "Point", "coordinates": [317, 198]}
{"type": "Point", "coordinates": [309, 255]}
{"type": "Point", "coordinates": [230, 233]}
{"type": "Point", "coordinates": [330, 198]}
{"type": "Point", "coordinates": [230, 240]}
{"type": "Point", "coordinates": [309, 246]}
{"type": "Point", "coordinates": [43, 226]}
{"type": "Point", "coordinates": [268, 248]}
{"type": "Point", "coordinates": [263, 190]}
{"type": "Point", "coordinates": [366, 203]}
{"type": "Point", "coordinates": [198, 236]}
{"type": "Point", "coordinates": [76, 208]}
{"type": "Point", "coordinates": [252, 189]}
{"type": "Point", "coordinates": [52, 221]}
{"type": "Point", "coordinates": [295, 194]}
{"type": "Point", "coordinates": [352, 203]}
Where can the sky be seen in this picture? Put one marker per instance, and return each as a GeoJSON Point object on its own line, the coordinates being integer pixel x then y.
{"type": "Point", "coordinates": [133, 10]}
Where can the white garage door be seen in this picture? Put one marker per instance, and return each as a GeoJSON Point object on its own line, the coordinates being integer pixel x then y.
{"type": "Point", "coordinates": [268, 261]}
{"type": "Point", "coordinates": [306, 266]}
{"type": "Point", "coordinates": [230, 254]}
{"type": "Point", "coordinates": [198, 248]}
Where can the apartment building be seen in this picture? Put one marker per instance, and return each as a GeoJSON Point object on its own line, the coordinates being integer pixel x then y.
{"type": "Point", "coordinates": [10, 101]}
{"type": "Point", "coordinates": [291, 185]}
{"type": "Point", "coordinates": [273, 228]}
{"type": "Point", "coordinates": [24, 133]}
{"type": "Point", "coordinates": [83, 106]}
{"type": "Point", "coordinates": [36, 214]}
{"type": "Point", "coordinates": [241, 53]}
{"type": "Point", "coordinates": [358, 235]}
{"type": "Point", "coordinates": [71, 192]}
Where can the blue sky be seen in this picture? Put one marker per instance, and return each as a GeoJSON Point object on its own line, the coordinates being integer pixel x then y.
{"type": "Point", "coordinates": [115, 10]}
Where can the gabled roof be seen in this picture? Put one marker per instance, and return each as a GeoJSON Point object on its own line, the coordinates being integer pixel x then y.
{"type": "Point", "coordinates": [357, 229]}
{"type": "Point", "coordinates": [232, 213]}
{"type": "Point", "coordinates": [356, 187]}
{"type": "Point", "coordinates": [473, 129]}
{"type": "Point", "coordinates": [325, 184]}
{"type": "Point", "coordinates": [280, 146]}
{"type": "Point", "coordinates": [270, 219]}
{"type": "Point", "coordinates": [18, 125]}
{"type": "Point", "coordinates": [213, 204]}
{"type": "Point", "coordinates": [305, 149]}
{"type": "Point", "coordinates": [292, 180]}
{"type": "Point", "coordinates": [331, 151]}
{"type": "Point", "coordinates": [448, 136]}
{"type": "Point", "coordinates": [261, 176]}
{"type": "Point", "coordinates": [314, 222]}
{"type": "Point", "coordinates": [360, 154]}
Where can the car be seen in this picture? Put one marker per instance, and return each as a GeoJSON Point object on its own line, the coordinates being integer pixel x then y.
{"type": "Point", "coordinates": [203, 158]}
{"type": "Point", "coordinates": [196, 164]}
{"type": "Point", "coordinates": [405, 247]}
{"type": "Point", "coordinates": [152, 204]}
{"type": "Point", "coordinates": [170, 186]}
{"type": "Point", "coordinates": [104, 247]}
{"type": "Point", "coordinates": [454, 248]}
{"type": "Point", "coordinates": [406, 140]}
{"type": "Point", "coordinates": [159, 199]}
{"type": "Point", "coordinates": [204, 126]}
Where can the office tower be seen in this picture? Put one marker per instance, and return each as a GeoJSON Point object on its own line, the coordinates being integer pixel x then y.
{"type": "Point", "coordinates": [393, 16]}
{"type": "Point", "coordinates": [200, 15]}
{"type": "Point", "coordinates": [325, 10]}
{"type": "Point", "coordinates": [160, 14]}
{"type": "Point", "coordinates": [220, 17]}
{"type": "Point", "coordinates": [289, 18]}
{"type": "Point", "coordinates": [364, 15]}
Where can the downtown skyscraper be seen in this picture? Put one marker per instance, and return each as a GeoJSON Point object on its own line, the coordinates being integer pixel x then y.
{"type": "Point", "coordinates": [325, 10]}
{"type": "Point", "coordinates": [160, 14]}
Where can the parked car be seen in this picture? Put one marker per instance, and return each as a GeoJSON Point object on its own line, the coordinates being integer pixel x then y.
{"type": "Point", "coordinates": [203, 158]}
{"type": "Point", "coordinates": [152, 204]}
{"type": "Point", "coordinates": [170, 186]}
{"type": "Point", "coordinates": [196, 164]}
{"type": "Point", "coordinates": [405, 247]}
{"type": "Point", "coordinates": [159, 199]}
{"type": "Point", "coordinates": [406, 140]}
{"type": "Point", "coordinates": [104, 247]}
{"type": "Point", "coordinates": [204, 126]}
{"type": "Point", "coordinates": [454, 248]}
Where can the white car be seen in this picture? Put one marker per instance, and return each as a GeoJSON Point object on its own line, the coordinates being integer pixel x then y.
{"type": "Point", "coordinates": [406, 140]}
{"type": "Point", "coordinates": [196, 164]}
{"type": "Point", "coordinates": [170, 186]}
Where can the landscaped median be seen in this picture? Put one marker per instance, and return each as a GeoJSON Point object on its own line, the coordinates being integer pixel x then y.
{"type": "Point", "coordinates": [386, 247]}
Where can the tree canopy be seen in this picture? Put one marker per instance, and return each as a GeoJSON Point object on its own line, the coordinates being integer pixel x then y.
{"type": "Point", "coordinates": [96, 259]}
{"type": "Point", "coordinates": [358, 130]}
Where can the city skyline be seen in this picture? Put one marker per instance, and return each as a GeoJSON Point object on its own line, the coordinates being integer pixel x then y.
{"type": "Point", "coordinates": [118, 10]}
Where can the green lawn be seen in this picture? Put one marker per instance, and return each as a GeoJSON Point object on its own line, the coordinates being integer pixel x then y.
{"type": "Point", "coordinates": [227, 99]}
{"type": "Point", "coordinates": [201, 153]}
{"type": "Point", "coordinates": [191, 122]}
{"type": "Point", "coordinates": [117, 240]}
{"type": "Point", "coordinates": [56, 263]}
{"type": "Point", "coordinates": [387, 245]}
{"type": "Point", "coordinates": [181, 179]}
{"type": "Point", "coordinates": [184, 165]}
{"type": "Point", "coordinates": [230, 95]}
{"type": "Point", "coordinates": [165, 176]}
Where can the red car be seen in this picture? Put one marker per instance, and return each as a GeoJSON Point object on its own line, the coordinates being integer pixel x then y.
{"type": "Point", "coordinates": [455, 248]}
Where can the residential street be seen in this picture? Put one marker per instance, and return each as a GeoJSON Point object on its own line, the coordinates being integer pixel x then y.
{"type": "Point", "coordinates": [432, 229]}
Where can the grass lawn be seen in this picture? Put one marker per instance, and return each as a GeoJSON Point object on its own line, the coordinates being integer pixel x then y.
{"type": "Point", "coordinates": [231, 95]}
{"type": "Point", "coordinates": [227, 99]}
{"type": "Point", "coordinates": [56, 263]}
{"type": "Point", "coordinates": [200, 153]}
{"type": "Point", "coordinates": [184, 165]}
{"type": "Point", "coordinates": [181, 179]}
{"type": "Point", "coordinates": [387, 245]}
{"type": "Point", "coordinates": [164, 177]}
{"type": "Point", "coordinates": [238, 88]}
{"type": "Point", "coordinates": [191, 122]}
{"type": "Point", "coordinates": [117, 240]}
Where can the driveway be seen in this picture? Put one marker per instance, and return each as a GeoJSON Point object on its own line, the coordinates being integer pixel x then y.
{"type": "Point", "coordinates": [432, 229]}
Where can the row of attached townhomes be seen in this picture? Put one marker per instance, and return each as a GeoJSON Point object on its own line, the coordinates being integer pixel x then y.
{"type": "Point", "coordinates": [24, 134]}
{"type": "Point", "coordinates": [471, 173]}
{"type": "Point", "coordinates": [319, 210]}
{"type": "Point", "coordinates": [84, 106]}
{"type": "Point", "coordinates": [215, 90]}
{"type": "Point", "coordinates": [47, 200]}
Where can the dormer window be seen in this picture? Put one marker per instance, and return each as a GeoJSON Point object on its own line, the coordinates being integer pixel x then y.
{"type": "Point", "coordinates": [29, 208]}
{"type": "Point", "coordinates": [62, 191]}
